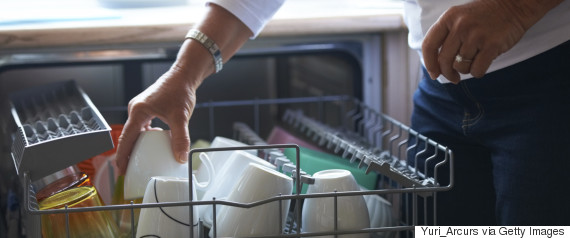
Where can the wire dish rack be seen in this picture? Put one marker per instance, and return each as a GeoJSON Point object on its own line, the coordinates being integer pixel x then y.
{"type": "Point", "coordinates": [407, 164]}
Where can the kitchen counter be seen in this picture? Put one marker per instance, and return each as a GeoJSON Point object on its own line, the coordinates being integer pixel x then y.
{"type": "Point", "coordinates": [70, 30]}
{"type": "Point", "coordinates": [33, 24]}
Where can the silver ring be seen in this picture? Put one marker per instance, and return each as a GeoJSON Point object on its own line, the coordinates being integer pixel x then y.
{"type": "Point", "coordinates": [459, 59]}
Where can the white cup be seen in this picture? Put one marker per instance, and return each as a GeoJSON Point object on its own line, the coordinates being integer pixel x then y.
{"type": "Point", "coordinates": [380, 213]}
{"type": "Point", "coordinates": [152, 156]}
{"type": "Point", "coordinates": [218, 157]}
{"type": "Point", "coordinates": [168, 221]}
{"type": "Point", "coordinates": [318, 213]}
{"type": "Point", "coordinates": [228, 173]}
{"type": "Point", "coordinates": [257, 183]}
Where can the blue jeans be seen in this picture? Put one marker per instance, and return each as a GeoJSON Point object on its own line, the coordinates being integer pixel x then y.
{"type": "Point", "coordinates": [510, 135]}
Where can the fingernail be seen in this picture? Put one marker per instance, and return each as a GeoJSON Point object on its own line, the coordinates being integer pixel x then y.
{"type": "Point", "coordinates": [183, 157]}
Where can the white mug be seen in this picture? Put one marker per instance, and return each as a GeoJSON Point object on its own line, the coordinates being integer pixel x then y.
{"type": "Point", "coordinates": [218, 158]}
{"type": "Point", "coordinates": [318, 213]}
{"type": "Point", "coordinates": [380, 212]}
{"type": "Point", "coordinates": [257, 183]}
{"type": "Point", "coordinates": [227, 175]}
{"type": "Point", "coordinates": [152, 156]}
{"type": "Point", "coordinates": [168, 221]}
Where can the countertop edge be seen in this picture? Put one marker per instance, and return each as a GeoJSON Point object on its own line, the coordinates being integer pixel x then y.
{"type": "Point", "coordinates": [114, 35]}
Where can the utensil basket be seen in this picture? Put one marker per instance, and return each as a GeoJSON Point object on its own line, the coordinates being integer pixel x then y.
{"type": "Point", "coordinates": [56, 121]}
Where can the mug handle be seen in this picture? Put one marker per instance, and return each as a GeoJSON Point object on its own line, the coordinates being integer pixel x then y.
{"type": "Point", "coordinates": [203, 186]}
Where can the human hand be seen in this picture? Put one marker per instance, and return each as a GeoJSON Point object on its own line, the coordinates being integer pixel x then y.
{"type": "Point", "coordinates": [478, 32]}
{"type": "Point", "coordinates": [172, 100]}
{"type": "Point", "coordinates": [173, 96]}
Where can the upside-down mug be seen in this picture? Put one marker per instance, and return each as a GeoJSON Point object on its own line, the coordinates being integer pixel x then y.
{"type": "Point", "coordinates": [318, 213]}
{"type": "Point", "coordinates": [172, 221]}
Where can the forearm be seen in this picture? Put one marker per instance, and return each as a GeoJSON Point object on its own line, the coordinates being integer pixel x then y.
{"type": "Point", "coordinates": [172, 97]}
{"type": "Point", "coordinates": [227, 31]}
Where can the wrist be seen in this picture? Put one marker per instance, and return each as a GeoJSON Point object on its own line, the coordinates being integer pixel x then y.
{"type": "Point", "coordinates": [209, 44]}
{"type": "Point", "coordinates": [193, 64]}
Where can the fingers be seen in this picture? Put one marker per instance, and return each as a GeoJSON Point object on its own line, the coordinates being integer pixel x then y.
{"type": "Point", "coordinates": [482, 62]}
{"type": "Point", "coordinates": [461, 31]}
{"type": "Point", "coordinates": [446, 58]}
{"type": "Point", "coordinates": [467, 55]}
{"type": "Point", "coordinates": [440, 57]}
{"type": "Point", "coordinates": [128, 137]}
{"type": "Point", "coordinates": [180, 140]}
{"type": "Point", "coordinates": [430, 48]}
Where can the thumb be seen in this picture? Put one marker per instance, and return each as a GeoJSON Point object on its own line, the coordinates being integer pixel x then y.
{"type": "Point", "coordinates": [434, 39]}
{"type": "Point", "coordinates": [180, 141]}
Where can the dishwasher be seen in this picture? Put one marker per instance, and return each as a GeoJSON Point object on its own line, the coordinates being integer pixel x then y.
{"type": "Point", "coordinates": [61, 117]}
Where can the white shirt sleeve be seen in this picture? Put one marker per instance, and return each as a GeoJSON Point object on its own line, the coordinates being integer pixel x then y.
{"type": "Point", "coordinates": [253, 13]}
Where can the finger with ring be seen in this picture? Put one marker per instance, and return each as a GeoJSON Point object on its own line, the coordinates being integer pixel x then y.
{"type": "Point", "coordinates": [459, 59]}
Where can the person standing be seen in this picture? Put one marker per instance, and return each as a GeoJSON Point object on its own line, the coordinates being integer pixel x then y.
{"type": "Point", "coordinates": [499, 98]}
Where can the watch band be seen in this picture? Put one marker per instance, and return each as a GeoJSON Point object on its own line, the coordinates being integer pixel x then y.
{"type": "Point", "coordinates": [209, 44]}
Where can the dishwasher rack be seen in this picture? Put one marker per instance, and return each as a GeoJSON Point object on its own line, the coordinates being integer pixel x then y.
{"type": "Point", "coordinates": [372, 141]}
